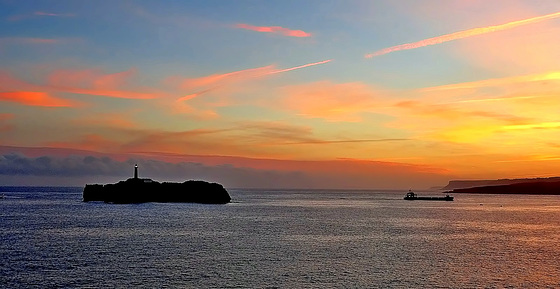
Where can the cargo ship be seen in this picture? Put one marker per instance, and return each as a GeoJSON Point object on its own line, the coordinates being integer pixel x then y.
{"type": "Point", "coordinates": [411, 196]}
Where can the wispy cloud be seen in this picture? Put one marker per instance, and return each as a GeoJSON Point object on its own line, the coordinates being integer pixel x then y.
{"type": "Point", "coordinates": [463, 34]}
{"type": "Point", "coordinates": [42, 13]}
{"type": "Point", "coordinates": [449, 112]}
{"type": "Point", "coordinates": [345, 141]}
{"type": "Point", "coordinates": [38, 14]}
{"type": "Point", "coordinates": [274, 29]}
{"type": "Point", "coordinates": [553, 75]}
{"type": "Point", "coordinates": [30, 40]}
{"type": "Point", "coordinates": [36, 99]}
{"type": "Point", "coordinates": [543, 125]}
{"type": "Point", "coordinates": [95, 82]}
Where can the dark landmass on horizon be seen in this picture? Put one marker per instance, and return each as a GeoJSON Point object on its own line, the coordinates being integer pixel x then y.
{"type": "Point", "coordinates": [536, 186]}
{"type": "Point", "coordinates": [463, 184]}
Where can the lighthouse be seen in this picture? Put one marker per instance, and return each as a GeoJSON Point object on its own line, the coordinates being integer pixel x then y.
{"type": "Point", "coordinates": [136, 171]}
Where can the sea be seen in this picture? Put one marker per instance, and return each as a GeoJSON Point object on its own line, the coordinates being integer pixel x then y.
{"type": "Point", "coordinates": [49, 238]}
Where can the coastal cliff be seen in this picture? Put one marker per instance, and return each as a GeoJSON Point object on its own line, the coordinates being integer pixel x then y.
{"type": "Point", "coordinates": [529, 188]}
{"type": "Point", "coordinates": [137, 190]}
{"type": "Point", "coordinates": [463, 184]}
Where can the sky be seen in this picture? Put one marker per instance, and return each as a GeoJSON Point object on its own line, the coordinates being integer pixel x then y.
{"type": "Point", "coordinates": [391, 94]}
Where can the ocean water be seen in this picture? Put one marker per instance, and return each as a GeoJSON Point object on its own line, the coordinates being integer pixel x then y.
{"type": "Point", "coordinates": [279, 239]}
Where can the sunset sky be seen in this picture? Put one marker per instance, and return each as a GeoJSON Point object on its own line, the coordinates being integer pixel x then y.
{"type": "Point", "coordinates": [389, 94]}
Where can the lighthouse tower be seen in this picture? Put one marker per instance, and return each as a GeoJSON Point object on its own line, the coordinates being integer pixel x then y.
{"type": "Point", "coordinates": [136, 171]}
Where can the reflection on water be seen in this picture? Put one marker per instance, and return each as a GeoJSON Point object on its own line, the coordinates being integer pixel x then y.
{"type": "Point", "coordinates": [282, 239]}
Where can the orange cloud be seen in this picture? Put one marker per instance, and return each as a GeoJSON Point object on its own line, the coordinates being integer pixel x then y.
{"type": "Point", "coordinates": [274, 29]}
{"type": "Point", "coordinates": [449, 112]}
{"type": "Point", "coordinates": [114, 93]}
{"type": "Point", "coordinates": [472, 123]}
{"type": "Point", "coordinates": [70, 81]}
{"type": "Point", "coordinates": [94, 82]}
{"type": "Point", "coordinates": [331, 101]}
{"type": "Point", "coordinates": [36, 99]}
{"type": "Point", "coordinates": [463, 34]}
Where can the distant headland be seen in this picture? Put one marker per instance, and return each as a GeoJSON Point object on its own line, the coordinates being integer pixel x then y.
{"type": "Point", "coordinates": [137, 190]}
{"type": "Point", "coordinates": [535, 186]}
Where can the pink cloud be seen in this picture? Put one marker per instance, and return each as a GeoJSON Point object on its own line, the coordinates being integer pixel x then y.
{"type": "Point", "coordinates": [275, 30]}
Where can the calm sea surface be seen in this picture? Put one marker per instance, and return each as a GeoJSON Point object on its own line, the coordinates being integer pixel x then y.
{"type": "Point", "coordinates": [279, 239]}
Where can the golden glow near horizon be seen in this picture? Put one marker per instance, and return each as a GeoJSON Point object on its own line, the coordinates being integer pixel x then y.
{"type": "Point", "coordinates": [285, 95]}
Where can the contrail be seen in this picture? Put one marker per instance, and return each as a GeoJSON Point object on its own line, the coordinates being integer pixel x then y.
{"type": "Point", "coordinates": [241, 75]}
{"type": "Point", "coordinates": [463, 34]}
{"type": "Point", "coordinates": [301, 66]}
{"type": "Point", "coordinates": [196, 94]}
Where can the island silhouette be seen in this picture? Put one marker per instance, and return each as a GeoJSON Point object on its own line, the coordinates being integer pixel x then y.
{"type": "Point", "coordinates": [138, 190]}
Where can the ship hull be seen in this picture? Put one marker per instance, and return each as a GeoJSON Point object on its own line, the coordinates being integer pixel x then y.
{"type": "Point", "coordinates": [429, 198]}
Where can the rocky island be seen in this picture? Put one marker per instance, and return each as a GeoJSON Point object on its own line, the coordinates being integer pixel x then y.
{"type": "Point", "coordinates": [137, 190]}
